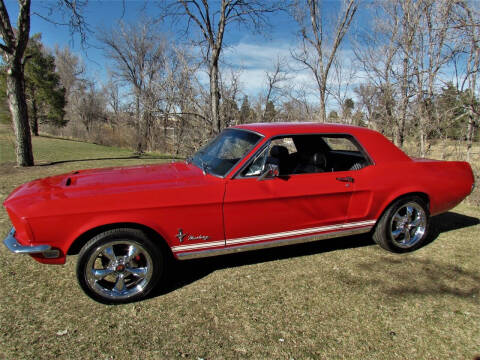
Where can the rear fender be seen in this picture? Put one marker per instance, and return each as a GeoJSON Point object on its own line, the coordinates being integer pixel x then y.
{"type": "Point", "coordinates": [402, 193]}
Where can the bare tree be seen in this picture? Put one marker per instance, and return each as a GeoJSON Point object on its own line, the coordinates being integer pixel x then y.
{"type": "Point", "coordinates": [111, 91]}
{"type": "Point", "coordinates": [70, 69]}
{"type": "Point", "coordinates": [91, 107]}
{"type": "Point", "coordinates": [139, 54]}
{"type": "Point", "coordinates": [213, 20]}
{"type": "Point", "coordinates": [404, 50]}
{"type": "Point", "coordinates": [367, 96]}
{"type": "Point", "coordinates": [432, 50]}
{"type": "Point", "coordinates": [274, 80]}
{"type": "Point", "coordinates": [13, 50]}
{"type": "Point", "coordinates": [408, 27]}
{"type": "Point", "coordinates": [377, 52]}
{"type": "Point", "coordinates": [297, 105]}
{"type": "Point", "coordinates": [230, 93]}
{"type": "Point", "coordinates": [316, 52]}
{"type": "Point", "coordinates": [189, 109]}
{"type": "Point", "coordinates": [468, 24]}
{"type": "Point", "coordinates": [343, 76]}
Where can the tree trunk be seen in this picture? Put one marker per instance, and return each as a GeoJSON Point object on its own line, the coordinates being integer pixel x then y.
{"type": "Point", "coordinates": [138, 125]}
{"type": "Point", "coordinates": [323, 108]}
{"type": "Point", "coordinates": [215, 95]}
{"type": "Point", "coordinates": [400, 126]}
{"type": "Point", "coordinates": [422, 132]}
{"type": "Point", "coordinates": [19, 112]}
{"type": "Point", "coordinates": [34, 122]}
{"type": "Point", "coordinates": [470, 134]}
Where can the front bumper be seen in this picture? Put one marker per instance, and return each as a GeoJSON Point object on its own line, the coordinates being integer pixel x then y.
{"type": "Point", "coordinates": [14, 246]}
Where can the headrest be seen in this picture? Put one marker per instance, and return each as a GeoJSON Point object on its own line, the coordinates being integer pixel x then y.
{"type": "Point", "coordinates": [319, 159]}
{"type": "Point", "coordinates": [279, 151]}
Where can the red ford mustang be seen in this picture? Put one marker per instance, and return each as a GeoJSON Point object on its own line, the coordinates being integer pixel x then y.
{"type": "Point", "coordinates": [253, 186]}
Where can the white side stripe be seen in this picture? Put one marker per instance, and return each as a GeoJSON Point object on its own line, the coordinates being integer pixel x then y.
{"type": "Point", "coordinates": [299, 232]}
{"type": "Point", "coordinates": [273, 236]}
{"type": "Point", "coordinates": [198, 246]}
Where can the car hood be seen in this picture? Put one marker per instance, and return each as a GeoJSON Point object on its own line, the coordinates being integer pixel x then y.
{"type": "Point", "coordinates": [108, 180]}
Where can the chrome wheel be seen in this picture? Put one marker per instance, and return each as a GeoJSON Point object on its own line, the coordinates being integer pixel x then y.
{"type": "Point", "coordinates": [408, 225]}
{"type": "Point", "coordinates": [119, 269]}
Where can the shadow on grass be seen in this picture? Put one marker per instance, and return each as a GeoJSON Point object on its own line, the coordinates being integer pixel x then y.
{"type": "Point", "coordinates": [403, 276]}
{"type": "Point", "coordinates": [183, 273]}
{"type": "Point", "coordinates": [144, 157]}
{"type": "Point", "coordinates": [188, 271]}
{"type": "Point", "coordinates": [411, 276]}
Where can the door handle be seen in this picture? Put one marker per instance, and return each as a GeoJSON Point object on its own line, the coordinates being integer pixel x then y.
{"type": "Point", "coordinates": [346, 179]}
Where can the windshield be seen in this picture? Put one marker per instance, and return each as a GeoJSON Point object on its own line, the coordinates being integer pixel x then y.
{"type": "Point", "coordinates": [221, 154]}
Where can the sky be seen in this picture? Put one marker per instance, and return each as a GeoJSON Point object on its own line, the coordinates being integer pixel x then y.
{"type": "Point", "coordinates": [252, 54]}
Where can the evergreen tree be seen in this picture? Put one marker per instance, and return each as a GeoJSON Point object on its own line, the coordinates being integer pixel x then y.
{"type": "Point", "coordinates": [229, 112]}
{"type": "Point", "coordinates": [347, 110]}
{"type": "Point", "coordinates": [45, 95]}
{"type": "Point", "coordinates": [245, 111]}
{"type": "Point", "coordinates": [270, 112]}
{"type": "Point", "coordinates": [333, 116]}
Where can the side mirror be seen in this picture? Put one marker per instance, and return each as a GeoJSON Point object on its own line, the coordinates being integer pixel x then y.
{"type": "Point", "coordinates": [269, 172]}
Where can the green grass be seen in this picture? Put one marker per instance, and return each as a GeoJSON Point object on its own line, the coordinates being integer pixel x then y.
{"type": "Point", "coordinates": [47, 150]}
{"type": "Point", "coordinates": [339, 299]}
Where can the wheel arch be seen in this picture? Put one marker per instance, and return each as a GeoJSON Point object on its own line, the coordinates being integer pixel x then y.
{"type": "Point", "coordinates": [424, 196]}
{"type": "Point", "coordinates": [82, 239]}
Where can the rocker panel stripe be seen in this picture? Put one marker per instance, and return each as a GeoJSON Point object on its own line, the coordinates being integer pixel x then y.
{"type": "Point", "coordinates": [279, 235]}
{"type": "Point", "coordinates": [271, 243]}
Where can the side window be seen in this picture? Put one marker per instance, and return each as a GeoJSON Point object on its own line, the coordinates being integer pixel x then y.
{"type": "Point", "coordinates": [279, 149]}
{"type": "Point", "coordinates": [340, 144]}
{"type": "Point", "coordinates": [344, 153]}
{"type": "Point", "coordinates": [309, 153]}
{"type": "Point", "coordinates": [286, 142]}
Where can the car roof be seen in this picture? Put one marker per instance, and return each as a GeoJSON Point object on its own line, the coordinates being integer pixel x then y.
{"type": "Point", "coordinates": [282, 128]}
{"type": "Point", "coordinates": [379, 148]}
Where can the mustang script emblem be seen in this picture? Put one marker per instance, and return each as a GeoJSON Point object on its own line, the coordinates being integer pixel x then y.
{"type": "Point", "coordinates": [198, 237]}
{"type": "Point", "coordinates": [181, 235]}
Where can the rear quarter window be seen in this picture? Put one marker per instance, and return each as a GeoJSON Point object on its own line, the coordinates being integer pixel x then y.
{"type": "Point", "coordinates": [340, 144]}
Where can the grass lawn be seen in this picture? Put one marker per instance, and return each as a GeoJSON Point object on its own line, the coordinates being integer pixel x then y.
{"type": "Point", "coordinates": [338, 299]}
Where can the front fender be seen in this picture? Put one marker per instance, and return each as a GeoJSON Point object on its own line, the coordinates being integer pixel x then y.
{"type": "Point", "coordinates": [109, 221]}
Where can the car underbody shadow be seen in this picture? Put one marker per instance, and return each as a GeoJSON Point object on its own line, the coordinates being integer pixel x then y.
{"type": "Point", "coordinates": [449, 221]}
{"type": "Point", "coordinates": [182, 273]}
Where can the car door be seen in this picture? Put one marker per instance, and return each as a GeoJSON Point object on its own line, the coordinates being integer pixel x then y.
{"type": "Point", "coordinates": [300, 205]}
{"type": "Point", "coordinates": [289, 206]}
{"type": "Point", "coordinates": [349, 160]}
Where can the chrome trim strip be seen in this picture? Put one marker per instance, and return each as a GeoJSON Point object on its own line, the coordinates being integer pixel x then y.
{"type": "Point", "coordinates": [298, 232]}
{"type": "Point", "coordinates": [273, 236]}
{"type": "Point", "coordinates": [271, 244]}
{"type": "Point", "coordinates": [14, 246]}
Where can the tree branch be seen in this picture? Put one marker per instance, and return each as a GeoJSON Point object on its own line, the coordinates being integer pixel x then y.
{"type": "Point", "coordinates": [6, 29]}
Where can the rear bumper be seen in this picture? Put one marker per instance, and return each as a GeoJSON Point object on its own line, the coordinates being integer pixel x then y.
{"type": "Point", "coordinates": [14, 246]}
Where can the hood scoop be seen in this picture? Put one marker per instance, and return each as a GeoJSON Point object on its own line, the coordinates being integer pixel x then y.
{"type": "Point", "coordinates": [69, 180]}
